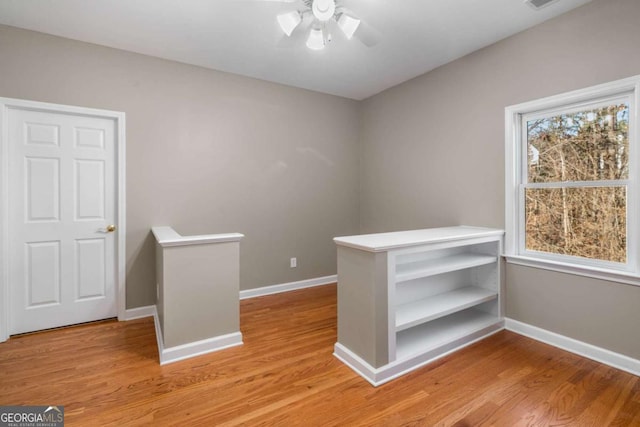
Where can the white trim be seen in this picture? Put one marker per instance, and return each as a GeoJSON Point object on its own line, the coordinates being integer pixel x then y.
{"type": "Point", "coordinates": [579, 270]}
{"type": "Point", "coordinates": [357, 364]}
{"type": "Point", "coordinates": [589, 351]}
{"type": "Point", "coordinates": [120, 199]}
{"type": "Point", "coordinates": [4, 225]}
{"type": "Point", "coordinates": [149, 310]}
{"type": "Point", "coordinates": [167, 237]}
{"type": "Point", "coordinates": [139, 312]}
{"type": "Point", "coordinates": [192, 349]}
{"type": "Point", "coordinates": [580, 184]}
{"type": "Point", "coordinates": [159, 340]}
{"type": "Point", "coordinates": [388, 372]}
{"type": "Point", "coordinates": [286, 287]}
{"type": "Point", "coordinates": [514, 180]}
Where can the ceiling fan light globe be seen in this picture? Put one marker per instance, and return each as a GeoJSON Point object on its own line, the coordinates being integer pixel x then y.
{"type": "Point", "coordinates": [316, 39]}
{"type": "Point", "coordinates": [323, 10]}
{"type": "Point", "coordinates": [289, 21]}
{"type": "Point", "coordinates": [348, 24]}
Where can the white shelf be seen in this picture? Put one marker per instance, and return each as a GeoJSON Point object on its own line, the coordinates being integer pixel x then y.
{"type": "Point", "coordinates": [423, 338]}
{"type": "Point", "coordinates": [431, 267]}
{"type": "Point", "coordinates": [434, 307]}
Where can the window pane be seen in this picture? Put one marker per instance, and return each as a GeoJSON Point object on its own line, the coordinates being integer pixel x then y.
{"type": "Point", "coordinates": [588, 222]}
{"type": "Point", "coordinates": [587, 145]}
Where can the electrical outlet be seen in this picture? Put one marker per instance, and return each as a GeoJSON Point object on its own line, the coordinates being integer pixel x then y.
{"type": "Point", "coordinates": [294, 262]}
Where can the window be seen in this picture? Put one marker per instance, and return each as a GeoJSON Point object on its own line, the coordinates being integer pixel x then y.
{"type": "Point", "coordinates": [575, 179]}
{"type": "Point", "coordinates": [572, 188]}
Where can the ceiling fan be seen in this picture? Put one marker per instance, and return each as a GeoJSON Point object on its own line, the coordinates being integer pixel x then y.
{"type": "Point", "coordinates": [320, 21]}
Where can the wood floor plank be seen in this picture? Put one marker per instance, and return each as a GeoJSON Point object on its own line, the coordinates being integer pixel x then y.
{"type": "Point", "coordinates": [285, 374]}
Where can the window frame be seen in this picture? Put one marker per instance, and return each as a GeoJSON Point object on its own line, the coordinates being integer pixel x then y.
{"type": "Point", "coordinates": [516, 160]}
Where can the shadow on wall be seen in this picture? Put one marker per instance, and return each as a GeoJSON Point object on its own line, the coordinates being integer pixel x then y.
{"type": "Point", "coordinates": [141, 273]}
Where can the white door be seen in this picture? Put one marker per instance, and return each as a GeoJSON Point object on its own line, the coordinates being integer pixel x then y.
{"type": "Point", "coordinates": [61, 219]}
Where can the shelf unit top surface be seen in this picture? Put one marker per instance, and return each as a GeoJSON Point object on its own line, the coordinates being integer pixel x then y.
{"type": "Point", "coordinates": [166, 236]}
{"type": "Point", "coordinates": [380, 242]}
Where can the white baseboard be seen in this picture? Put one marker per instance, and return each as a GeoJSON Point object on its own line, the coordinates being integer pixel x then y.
{"type": "Point", "coordinates": [386, 373]}
{"type": "Point", "coordinates": [357, 364]}
{"type": "Point", "coordinates": [149, 310]}
{"type": "Point", "coordinates": [286, 287]}
{"type": "Point", "coordinates": [193, 349]}
{"type": "Point", "coordinates": [139, 312]}
{"type": "Point", "coordinates": [181, 352]}
{"type": "Point", "coordinates": [599, 354]}
{"type": "Point", "coordinates": [198, 348]}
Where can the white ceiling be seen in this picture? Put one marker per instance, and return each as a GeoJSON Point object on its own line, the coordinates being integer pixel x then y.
{"type": "Point", "coordinates": [243, 37]}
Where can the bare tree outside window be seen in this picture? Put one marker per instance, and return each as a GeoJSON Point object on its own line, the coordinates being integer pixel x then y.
{"type": "Point", "coordinates": [577, 204]}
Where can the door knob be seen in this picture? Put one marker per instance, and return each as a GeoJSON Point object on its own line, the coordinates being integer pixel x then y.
{"type": "Point", "coordinates": [111, 228]}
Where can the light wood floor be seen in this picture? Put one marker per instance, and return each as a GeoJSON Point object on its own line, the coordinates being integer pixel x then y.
{"type": "Point", "coordinates": [108, 374]}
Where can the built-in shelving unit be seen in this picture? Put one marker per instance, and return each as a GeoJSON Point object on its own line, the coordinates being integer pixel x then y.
{"type": "Point", "coordinates": [407, 298]}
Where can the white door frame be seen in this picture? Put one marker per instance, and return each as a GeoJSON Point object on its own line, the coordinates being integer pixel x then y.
{"type": "Point", "coordinates": [120, 259]}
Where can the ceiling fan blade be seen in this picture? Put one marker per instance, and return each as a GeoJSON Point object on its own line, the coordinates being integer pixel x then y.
{"type": "Point", "coordinates": [335, 32]}
{"type": "Point", "coordinates": [367, 34]}
{"type": "Point", "coordinates": [296, 38]}
{"type": "Point", "coordinates": [265, 1]}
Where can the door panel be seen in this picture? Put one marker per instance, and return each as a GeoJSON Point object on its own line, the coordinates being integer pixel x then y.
{"type": "Point", "coordinates": [90, 272]}
{"type": "Point", "coordinates": [89, 137]}
{"type": "Point", "coordinates": [42, 188]}
{"type": "Point", "coordinates": [62, 197]}
{"type": "Point", "coordinates": [42, 134]}
{"type": "Point", "coordinates": [42, 273]}
{"type": "Point", "coordinates": [90, 187]}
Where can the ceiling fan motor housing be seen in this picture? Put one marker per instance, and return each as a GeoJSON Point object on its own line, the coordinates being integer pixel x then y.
{"type": "Point", "coordinates": [323, 10]}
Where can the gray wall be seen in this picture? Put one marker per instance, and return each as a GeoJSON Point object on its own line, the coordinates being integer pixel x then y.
{"type": "Point", "coordinates": [208, 152]}
{"type": "Point", "coordinates": [211, 152]}
{"type": "Point", "coordinates": [433, 155]}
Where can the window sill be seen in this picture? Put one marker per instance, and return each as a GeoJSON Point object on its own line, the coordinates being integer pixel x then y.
{"type": "Point", "coordinates": [624, 277]}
